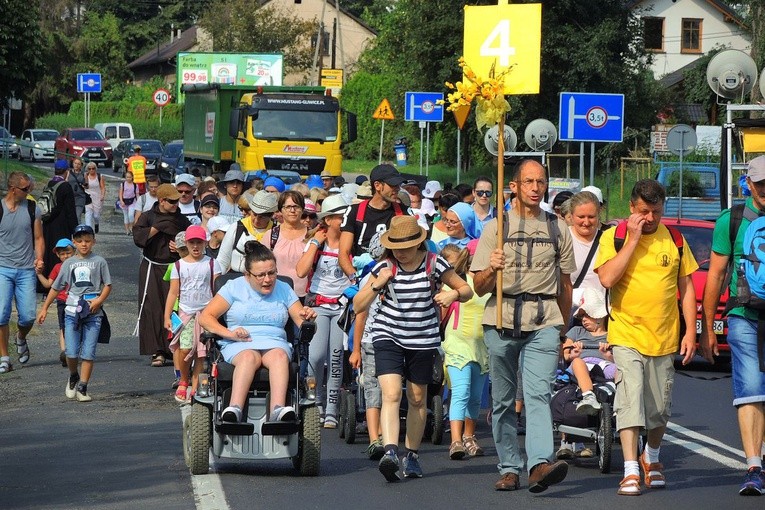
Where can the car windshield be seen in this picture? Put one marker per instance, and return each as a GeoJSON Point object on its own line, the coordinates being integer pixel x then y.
{"type": "Point", "coordinates": [150, 146]}
{"type": "Point", "coordinates": [45, 136]}
{"type": "Point", "coordinates": [295, 125]}
{"type": "Point", "coordinates": [700, 241]}
{"type": "Point", "coordinates": [90, 134]}
{"type": "Point", "coordinates": [172, 151]}
{"type": "Point", "coordinates": [4, 133]}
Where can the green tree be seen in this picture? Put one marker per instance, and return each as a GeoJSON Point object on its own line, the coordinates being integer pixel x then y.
{"type": "Point", "coordinates": [242, 26]}
{"type": "Point", "coordinates": [20, 59]}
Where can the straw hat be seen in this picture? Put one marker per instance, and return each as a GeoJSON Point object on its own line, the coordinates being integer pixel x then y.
{"type": "Point", "coordinates": [404, 232]}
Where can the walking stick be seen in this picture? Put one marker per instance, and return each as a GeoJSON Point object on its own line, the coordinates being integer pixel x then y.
{"type": "Point", "coordinates": [500, 209]}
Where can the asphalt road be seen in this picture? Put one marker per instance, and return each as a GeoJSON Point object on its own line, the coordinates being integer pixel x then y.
{"type": "Point", "coordinates": [123, 450]}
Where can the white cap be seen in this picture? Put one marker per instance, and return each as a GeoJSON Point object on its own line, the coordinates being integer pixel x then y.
{"type": "Point", "coordinates": [592, 303]}
{"type": "Point", "coordinates": [595, 191]}
{"type": "Point", "coordinates": [218, 223]}
{"type": "Point", "coordinates": [185, 179]}
{"type": "Point", "coordinates": [431, 188]}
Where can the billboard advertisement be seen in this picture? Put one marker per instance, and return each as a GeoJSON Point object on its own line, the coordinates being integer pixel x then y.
{"type": "Point", "coordinates": [229, 68]}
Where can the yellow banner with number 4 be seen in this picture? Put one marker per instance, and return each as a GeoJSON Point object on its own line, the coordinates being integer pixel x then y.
{"type": "Point", "coordinates": [506, 36]}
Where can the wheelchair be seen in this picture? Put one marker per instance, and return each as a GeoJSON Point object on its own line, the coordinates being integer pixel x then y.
{"type": "Point", "coordinates": [254, 438]}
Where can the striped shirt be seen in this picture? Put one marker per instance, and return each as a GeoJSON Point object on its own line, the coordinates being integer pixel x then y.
{"type": "Point", "coordinates": [410, 320]}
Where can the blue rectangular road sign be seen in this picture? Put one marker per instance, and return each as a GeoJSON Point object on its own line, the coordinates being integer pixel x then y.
{"type": "Point", "coordinates": [423, 107]}
{"type": "Point", "coordinates": [88, 82]}
{"type": "Point", "coordinates": [587, 117]}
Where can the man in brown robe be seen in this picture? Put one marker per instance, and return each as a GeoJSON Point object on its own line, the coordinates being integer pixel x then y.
{"type": "Point", "coordinates": [155, 233]}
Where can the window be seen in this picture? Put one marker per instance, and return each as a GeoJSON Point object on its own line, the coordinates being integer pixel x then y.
{"type": "Point", "coordinates": [124, 132]}
{"type": "Point", "coordinates": [653, 34]}
{"type": "Point", "coordinates": [691, 41]}
{"type": "Point", "coordinates": [324, 50]}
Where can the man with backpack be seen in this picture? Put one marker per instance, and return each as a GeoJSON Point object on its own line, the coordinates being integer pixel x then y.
{"type": "Point", "coordinates": [734, 244]}
{"type": "Point", "coordinates": [59, 213]}
{"type": "Point", "coordinates": [536, 260]}
{"type": "Point", "coordinates": [21, 251]}
{"type": "Point", "coordinates": [363, 220]}
{"type": "Point", "coordinates": [643, 270]}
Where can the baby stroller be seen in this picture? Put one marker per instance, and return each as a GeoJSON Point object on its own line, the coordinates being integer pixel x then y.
{"type": "Point", "coordinates": [255, 438]}
{"type": "Point", "coordinates": [599, 428]}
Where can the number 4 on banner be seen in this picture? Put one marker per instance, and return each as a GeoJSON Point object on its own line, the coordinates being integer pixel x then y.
{"type": "Point", "coordinates": [503, 50]}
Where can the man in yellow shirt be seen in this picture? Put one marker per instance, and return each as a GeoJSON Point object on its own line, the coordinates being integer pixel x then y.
{"type": "Point", "coordinates": [137, 164]}
{"type": "Point", "coordinates": [644, 277]}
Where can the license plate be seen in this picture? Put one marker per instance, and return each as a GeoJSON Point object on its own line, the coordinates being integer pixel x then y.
{"type": "Point", "coordinates": [149, 166]}
{"type": "Point", "coordinates": [717, 327]}
{"type": "Point", "coordinates": [94, 153]}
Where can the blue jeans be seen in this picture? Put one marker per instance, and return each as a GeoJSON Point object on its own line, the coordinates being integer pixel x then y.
{"type": "Point", "coordinates": [82, 343]}
{"type": "Point", "coordinates": [466, 386]}
{"type": "Point", "coordinates": [748, 381]}
{"type": "Point", "coordinates": [537, 353]}
{"type": "Point", "coordinates": [19, 284]}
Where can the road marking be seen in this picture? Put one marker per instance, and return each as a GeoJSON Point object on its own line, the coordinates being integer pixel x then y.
{"type": "Point", "coordinates": [700, 448]}
{"type": "Point", "coordinates": [208, 489]}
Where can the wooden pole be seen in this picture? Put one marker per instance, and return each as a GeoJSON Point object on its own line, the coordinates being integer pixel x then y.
{"type": "Point", "coordinates": [500, 210]}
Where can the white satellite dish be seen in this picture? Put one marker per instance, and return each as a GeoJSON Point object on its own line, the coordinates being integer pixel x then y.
{"type": "Point", "coordinates": [540, 135]}
{"type": "Point", "coordinates": [491, 140]}
{"type": "Point", "coordinates": [731, 74]}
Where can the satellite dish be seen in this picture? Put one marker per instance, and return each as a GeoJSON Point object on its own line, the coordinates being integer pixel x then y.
{"type": "Point", "coordinates": [731, 74]}
{"type": "Point", "coordinates": [540, 135]}
{"type": "Point", "coordinates": [491, 140]}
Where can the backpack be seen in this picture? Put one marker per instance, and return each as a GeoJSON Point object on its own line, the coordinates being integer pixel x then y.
{"type": "Point", "coordinates": [751, 274]}
{"type": "Point", "coordinates": [554, 234]}
{"type": "Point", "coordinates": [47, 201]}
{"type": "Point", "coordinates": [361, 213]}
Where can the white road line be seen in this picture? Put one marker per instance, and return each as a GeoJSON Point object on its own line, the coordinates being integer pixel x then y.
{"type": "Point", "coordinates": [706, 452]}
{"type": "Point", "coordinates": [705, 439]}
{"type": "Point", "coordinates": [208, 489]}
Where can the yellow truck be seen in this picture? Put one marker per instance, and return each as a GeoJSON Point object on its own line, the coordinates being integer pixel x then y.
{"type": "Point", "coordinates": [299, 129]}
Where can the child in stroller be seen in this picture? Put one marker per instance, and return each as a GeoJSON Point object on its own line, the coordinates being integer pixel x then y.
{"type": "Point", "coordinates": [587, 360]}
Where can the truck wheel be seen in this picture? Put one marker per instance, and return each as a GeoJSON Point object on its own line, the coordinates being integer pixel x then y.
{"type": "Point", "coordinates": [197, 439]}
{"type": "Point", "coordinates": [308, 458]}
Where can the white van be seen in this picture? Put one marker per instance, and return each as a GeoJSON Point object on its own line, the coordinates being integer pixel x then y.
{"type": "Point", "coordinates": [115, 132]}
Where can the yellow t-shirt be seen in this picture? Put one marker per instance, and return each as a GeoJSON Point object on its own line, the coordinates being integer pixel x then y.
{"type": "Point", "coordinates": [644, 302]}
{"type": "Point", "coordinates": [464, 343]}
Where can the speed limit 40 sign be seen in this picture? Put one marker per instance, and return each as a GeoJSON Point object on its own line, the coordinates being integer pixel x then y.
{"type": "Point", "coordinates": [506, 36]}
{"type": "Point", "coordinates": [161, 97]}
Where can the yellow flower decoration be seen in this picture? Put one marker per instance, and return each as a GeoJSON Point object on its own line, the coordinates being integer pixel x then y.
{"type": "Point", "coordinates": [491, 104]}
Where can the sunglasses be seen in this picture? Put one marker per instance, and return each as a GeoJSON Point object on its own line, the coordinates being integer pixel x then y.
{"type": "Point", "coordinates": [186, 192]}
{"type": "Point", "coordinates": [25, 190]}
{"type": "Point", "coordinates": [171, 202]}
{"type": "Point", "coordinates": [483, 193]}
{"type": "Point", "coordinates": [306, 216]}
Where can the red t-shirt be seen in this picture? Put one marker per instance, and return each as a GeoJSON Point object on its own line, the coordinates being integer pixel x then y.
{"type": "Point", "coordinates": [53, 275]}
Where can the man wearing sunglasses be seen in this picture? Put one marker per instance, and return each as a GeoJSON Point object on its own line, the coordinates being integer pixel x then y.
{"type": "Point", "coordinates": [483, 191]}
{"type": "Point", "coordinates": [154, 232]}
{"type": "Point", "coordinates": [21, 252]}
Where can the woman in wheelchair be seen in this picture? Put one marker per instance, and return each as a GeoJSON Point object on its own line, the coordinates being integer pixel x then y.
{"type": "Point", "coordinates": [257, 307]}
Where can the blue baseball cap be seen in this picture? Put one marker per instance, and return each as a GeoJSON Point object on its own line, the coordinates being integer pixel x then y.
{"type": "Point", "coordinates": [60, 164]}
{"type": "Point", "coordinates": [63, 243]}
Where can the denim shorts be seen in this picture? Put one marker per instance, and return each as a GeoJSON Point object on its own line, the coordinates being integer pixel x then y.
{"type": "Point", "coordinates": [748, 381]}
{"type": "Point", "coordinates": [82, 343]}
{"type": "Point", "coordinates": [19, 284]}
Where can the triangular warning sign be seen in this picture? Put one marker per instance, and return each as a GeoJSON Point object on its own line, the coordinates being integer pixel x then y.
{"type": "Point", "coordinates": [384, 111]}
{"type": "Point", "coordinates": [461, 115]}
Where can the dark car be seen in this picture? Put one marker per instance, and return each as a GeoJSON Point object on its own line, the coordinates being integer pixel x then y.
{"type": "Point", "coordinates": [86, 143]}
{"type": "Point", "coordinates": [172, 161]}
{"type": "Point", "coordinates": [150, 149]}
{"type": "Point", "coordinates": [8, 144]}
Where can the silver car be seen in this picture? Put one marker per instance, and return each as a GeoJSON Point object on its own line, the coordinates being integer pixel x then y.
{"type": "Point", "coordinates": [37, 144]}
{"type": "Point", "coordinates": [8, 144]}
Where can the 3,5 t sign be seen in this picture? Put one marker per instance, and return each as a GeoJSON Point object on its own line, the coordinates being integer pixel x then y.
{"type": "Point", "coordinates": [506, 36]}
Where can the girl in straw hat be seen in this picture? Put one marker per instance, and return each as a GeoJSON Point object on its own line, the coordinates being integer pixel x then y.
{"type": "Point", "coordinates": [406, 332]}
